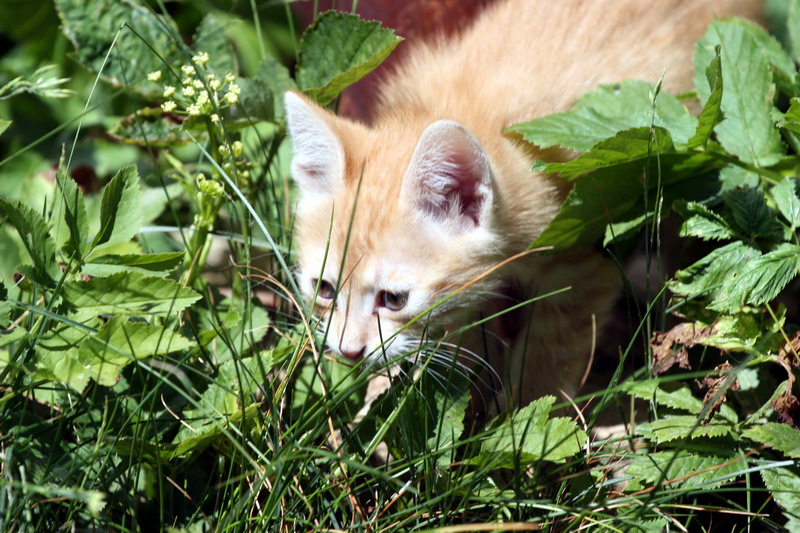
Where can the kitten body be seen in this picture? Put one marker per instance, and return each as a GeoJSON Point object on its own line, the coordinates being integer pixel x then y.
{"type": "Point", "coordinates": [422, 204]}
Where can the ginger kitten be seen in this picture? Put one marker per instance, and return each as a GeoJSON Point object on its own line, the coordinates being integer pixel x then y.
{"type": "Point", "coordinates": [426, 201]}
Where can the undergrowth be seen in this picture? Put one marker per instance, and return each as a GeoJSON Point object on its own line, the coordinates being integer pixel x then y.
{"type": "Point", "coordinates": [159, 370]}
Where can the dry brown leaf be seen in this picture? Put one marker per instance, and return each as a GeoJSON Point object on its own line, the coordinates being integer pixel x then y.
{"type": "Point", "coordinates": [672, 348]}
{"type": "Point", "coordinates": [713, 384]}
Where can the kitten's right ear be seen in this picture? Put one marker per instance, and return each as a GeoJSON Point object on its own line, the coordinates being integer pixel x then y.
{"type": "Point", "coordinates": [318, 160]}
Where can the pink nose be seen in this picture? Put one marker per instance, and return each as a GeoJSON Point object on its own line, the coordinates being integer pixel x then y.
{"type": "Point", "coordinates": [353, 355]}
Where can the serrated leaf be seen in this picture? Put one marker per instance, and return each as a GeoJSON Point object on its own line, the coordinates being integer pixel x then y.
{"type": "Point", "coordinates": [681, 399]}
{"type": "Point", "coordinates": [787, 199]}
{"type": "Point", "coordinates": [625, 147]}
{"type": "Point", "coordinates": [685, 469]}
{"type": "Point", "coordinates": [703, 223]}
{"type": "Point", "coordinates": [747, 131]}
{"type": "Point", "coordinates": [33, 231]}
{"type": "Point", "coordinates": [129, 293]}
{"type": "Point", "coordinates": [106, 265]}
{"type": "Point", "coordinates": [707, 276]}
{"type": "Point", "coordinates": [278, 79]}
{"type": "Point", "coordinates": [210, 38]}
{"type": "Point", "coordinates": [683, 427]}
{"type": "Point", "coordinates": [528, 436]}
{"type": "Point", "coordinates": [781, 437]}
{"type": "Point", "coordinates": [784, 484]}
{"type": "Point", "coordinates": [152, 127]}
{"type": "Point", "coordinates": [751, 212]}
{"type": "Point", "coordinates": [74, 215]}
{"type": "Point", "coordinates": [120, 211]}
{"type": "Point", "coordinates": [92, 25]}
{"type": "Point", "coordinates": [337, 50]}
{"type": "Point", "coordinates": [762, 279]}
{"type": "Point", "coordinates": [711, 114]}
{"type": "Point", "coordinates": [605, 111]}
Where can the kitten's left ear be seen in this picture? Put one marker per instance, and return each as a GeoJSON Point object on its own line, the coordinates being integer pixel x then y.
{"type": "Point", "coordinates": [318, 160]}
{"type": "Point", "coordinates": [450, 178]}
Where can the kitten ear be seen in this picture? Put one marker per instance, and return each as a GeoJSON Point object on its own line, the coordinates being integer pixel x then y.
{"type": "Point", "coordinates": [318, 155]}
{"type": "Point", "coordinates": [450, 177]}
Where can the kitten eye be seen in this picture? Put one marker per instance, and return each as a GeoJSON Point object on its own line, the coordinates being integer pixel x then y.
{"type": "Point", "coordinates": [325, 291]}
{"type": "Point", "coordinates": [394, 301]}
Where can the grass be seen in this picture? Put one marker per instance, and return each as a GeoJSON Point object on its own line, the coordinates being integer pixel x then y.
{"type": "Point", "coordinates": [159, 370]}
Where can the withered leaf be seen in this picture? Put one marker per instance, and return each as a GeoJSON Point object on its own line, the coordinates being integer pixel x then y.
{"type": "Point", "coordinates": [672, 347]}
{"type": "Point", "coordinates": [714, 393]}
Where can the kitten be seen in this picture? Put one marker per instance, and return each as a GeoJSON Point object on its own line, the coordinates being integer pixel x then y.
{"type": "Point", "coordinates": [426, 201]}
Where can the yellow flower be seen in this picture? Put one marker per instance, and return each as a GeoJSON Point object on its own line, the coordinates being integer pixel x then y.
{"type": "Point", "coordinates": [188, 91]}
{"type": "Point", "coordinates": [169, 90]}
{"type": "Point", "coordinates": [188, 70]}
{"type": "Point", "coordinates": [169, 106]}
{"type": "Point", "coordinates": [154, 76]}
{"type": "Point", "coordinates": [215, 118]}
{"type": "Point", "coordinates": [201, 58]}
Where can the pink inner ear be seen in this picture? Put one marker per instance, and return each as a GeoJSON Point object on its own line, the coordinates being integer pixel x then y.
{"type": "Point", "coordinates": [451, 174]}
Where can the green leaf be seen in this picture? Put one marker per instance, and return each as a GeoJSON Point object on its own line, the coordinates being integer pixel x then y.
{"type": "Point", "coordinates": [784, 484]}
{"type": "Point", "coordinates": [528, 436]}
{"type": "Point", "coordinates": [605, 111]}
{"type": "Point", "coordinates": [74, 215]}
{"type": "Point", "coordinates": [152, 127]}
{"type": "Point", "coordinates": [762, 278]}
{"type": "Point", "coordinates": [278, 80]}
{"type": "Point", "coordinates": [788, 201]}
{"type": "Point", "coordinates": [703, 223]}
{"type": "Point", "coordinates": [683, 427]}
{"type": "Point", "coordinates": [791, 120]}
{"type": "Point", "coordinates": [32, 230]}
{"type": "Point", "coordinates": [681, 399]}
{"type": "Point", "coordinates": [210, 38]}
{"type": "Point", "coordinates": [747, 131]}
{"type": "Point", "coordinates": [256, 103]}
{"type": "Point", "coordinates": [337, 50]}
{"type": "Point", "coordinates": [751, 213]}
{"type": "Point", "coordinates": [106, 265]}
{"type": "Point", "coordinates": [793, 27]}
{"type": "Point", "coordinates": [685, 469]}
{"type": "Point", "coordinates": [129, 293]}
{"type": "Point", "coordinates": [92, 25]}
{"type": "Point", "coordinates": [707, 276]}
{"type": "Point", "coordinates": [120, 211]}
{"type": "Point", "coordinates": [4, 124]}
{"type": "Point", "coordinates": [625, 147]}
{"type": "Point", "coordinates": [712, 110]}
{"type": "Point", "coordinates": [781, 437]}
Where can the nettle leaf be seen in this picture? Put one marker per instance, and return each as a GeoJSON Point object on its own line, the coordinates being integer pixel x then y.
{"type": "Point", "coordinates": [210, 38]}
{"type": "Point", "coordinates": [703, 223]}
{"type": "Point", "coordinates": [781, 437]}
{"type": "Point", "coordinates": [747, 131]}
{"type": "Point", "coordinates": [764, 277]}
{"type": "Point", "coordinates": [685, 469]}
{"type": "Point", "coordinates": [152, 127]}
{"type": "Point", "coordinates": [681, 399]}
{"type": "Point", "coordinates": [120, 211]}
{"type": "Point", "coordinates": [339, 49]}
{"type": "Point", "coordinates": [625, 147]}
{"type": "Point", "coordinates": [607, 110]}
{"type": "Point", "coordinates": [74, 215]}
{"type": "Point", "coordinates": [129, 293]}
{"type": "Point", "coordinates": [683, 427]}
{"type": "Point", "coordinates": [528, 436]}
{"type": "Point", "coordinates": [32, 229]}
{"type": "Point", "coordinates": [751, 212]}
{"type": "Point", "coordinates": [106, 265]}
{"type": "Point", "coordinates": [706, 276]}
{"type": "Point", "coordinates": [787, 199]}
{"type": "Point", "coordinates": [784, 484]}
{"type": "Point", "coordinates": [712, 109]}
{"type": "Point", "coordinates": [91, 26]}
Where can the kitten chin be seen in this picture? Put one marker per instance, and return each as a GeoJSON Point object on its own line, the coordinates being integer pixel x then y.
{"type": "Point", "coordinates": [417, 215]}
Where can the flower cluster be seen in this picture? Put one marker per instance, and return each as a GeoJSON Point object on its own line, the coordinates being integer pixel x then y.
{"type": "Point", "coordinates": [200, 93]}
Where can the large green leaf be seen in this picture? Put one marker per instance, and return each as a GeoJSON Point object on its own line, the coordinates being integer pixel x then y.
{"type": "Point", "coordinates": [278, 79]}
{"type": "Point", "coordinates": [529, 436]}
{"type": "Point", "coordinates": [607, 110]}
{"type": "Point", "coordinates": [106, 265]}
{"type": "Point", "coordinates": [92, 25]}
{"type": "Point", "coordinates": [120, 211]}
{"type": "Point", "coordinates": [747, 131]}
{"type": "Point", "coordinates": [129, 293]}
{"type": "Point", "coordinates": [685, 469]}
{"type": "Point", "coordinates": [339, 49]}
{"type": "Point", "coordinates": [787, 199]}
{"type": "Point", "coordinates": [152, 127]}
{"type": "Point", "coordinates": [712, 109]}
{"type": "Point", "coordinates": [762, 278]}
{"type": "Point", "coordinates": [706, 277]}
{"type": "Point", "coordinates": [210, 38]}
{"type": "Point", "coordinates": [74, 215]}
{"type": "Point", "coordinates": [682, 427]}
{"type": "Point", "coordinates": [784, 484]}
{"type": "Point", "coordinates": [781, 437]}
{"type": "Point", "coordinates": [703, 223]}
{"type": "Point", "coordinates": [33, 230]}
{"type": "Point", "coordinates": [751, 212]}
{"type": "Point", "coordinates": [625, 147]}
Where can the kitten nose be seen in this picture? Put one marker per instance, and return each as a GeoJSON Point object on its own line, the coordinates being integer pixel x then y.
{"type": "Point", "coordinates": [353, 355]}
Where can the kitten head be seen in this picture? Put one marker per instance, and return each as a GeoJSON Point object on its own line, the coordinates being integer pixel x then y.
{"type": "Point", "coordinates": [390, 221]}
